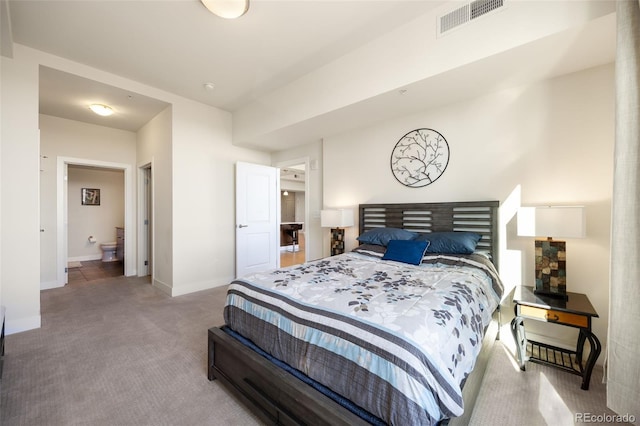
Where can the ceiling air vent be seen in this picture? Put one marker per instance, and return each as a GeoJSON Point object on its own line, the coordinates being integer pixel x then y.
{"type": "Point", "coordinates": [464, 14]}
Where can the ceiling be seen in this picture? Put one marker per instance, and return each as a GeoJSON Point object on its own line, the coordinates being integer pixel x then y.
{"type": "Point", "coordinates": [69, 96]}
{"type": "Point", "coordinates": [178, 46]}
{"type": "Point", "coordinates": [293, 173]}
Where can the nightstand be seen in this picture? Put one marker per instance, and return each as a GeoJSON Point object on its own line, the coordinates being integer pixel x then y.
{"type": "Point", "coordinates": [575, 312]}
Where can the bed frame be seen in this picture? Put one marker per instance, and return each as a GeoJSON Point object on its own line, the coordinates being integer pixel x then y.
{"type": "Point", "coordinates": [277, 397]}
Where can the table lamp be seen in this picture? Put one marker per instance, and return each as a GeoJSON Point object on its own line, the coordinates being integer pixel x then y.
{"type": "Point", "coordinates": [337, 220]}
{"type": "Point", "coordinates": [551, 254]}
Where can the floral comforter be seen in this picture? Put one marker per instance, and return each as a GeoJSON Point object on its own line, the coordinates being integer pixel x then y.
{"type": "Point", "coordinates": [398, 340]}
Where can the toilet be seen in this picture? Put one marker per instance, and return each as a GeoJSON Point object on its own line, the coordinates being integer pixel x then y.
{"type": "Point", "coordinates": [108, 252]}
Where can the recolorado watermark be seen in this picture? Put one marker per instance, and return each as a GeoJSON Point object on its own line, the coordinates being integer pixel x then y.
{"type": "Point", "coordinates": [604, 418]}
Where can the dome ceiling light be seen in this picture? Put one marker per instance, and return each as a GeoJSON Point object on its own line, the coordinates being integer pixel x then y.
{"type": "Point", "coordinates": [100, 109]}
{"type": "Point", "coordinates": [229, 9]}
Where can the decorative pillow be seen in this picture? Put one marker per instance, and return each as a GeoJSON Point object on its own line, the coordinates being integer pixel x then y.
{"type": "Point", "coordinates": [382, 236]}
{"type": "Point", "coordinates": [370, 250]}
{"type": "Point", "coordinates": [407, 251]}
{"type": "Point", "coordinates": [456, 242]}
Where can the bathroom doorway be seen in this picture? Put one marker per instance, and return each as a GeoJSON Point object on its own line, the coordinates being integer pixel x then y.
{"type": "Point", "coordinates": [64, 198]}
{"type": "Point", "coordinates": [95, 232]}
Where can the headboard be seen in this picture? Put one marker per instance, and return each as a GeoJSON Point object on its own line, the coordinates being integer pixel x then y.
{"type": "Point", "coordinates": [475, 216]}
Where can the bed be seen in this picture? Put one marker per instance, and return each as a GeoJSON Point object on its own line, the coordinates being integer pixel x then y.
{"type": "Point", "coordinates": [371, 336]}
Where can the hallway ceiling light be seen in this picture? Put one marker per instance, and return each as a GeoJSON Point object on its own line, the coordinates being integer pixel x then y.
{"type": "Point", "coordinates": [100, 109]}
{"type": "Point", "coordinates": [229, 9]}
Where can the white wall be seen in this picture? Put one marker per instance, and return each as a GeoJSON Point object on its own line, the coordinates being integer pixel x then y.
{"type": "Point", "coordinates": [551, 142]}
{"type": "Point", "coordinates": [300, 206]}
{"type": "Point", "coordinates": [290, 185]}
{"type": "Point", "coordinates": [60, 137]}
{"type": "Point", "coordinates": [98, 221]}
{"type": "Point", "coordinates": [154, 147]}
{"type": "Point", "coordinates": [20, 243]}
{"type": "Point", "coordinates": [204, 196]}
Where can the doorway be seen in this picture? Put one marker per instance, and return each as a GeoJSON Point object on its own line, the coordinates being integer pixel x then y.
{"type": "Point", "coordinates": [62, 191]}
{"type": "Point", "coordinates": [294, 212]}
{"type": "Point", "coordinates": [95, 217]}
{"type": "Point", "coordinates": [145, 221]}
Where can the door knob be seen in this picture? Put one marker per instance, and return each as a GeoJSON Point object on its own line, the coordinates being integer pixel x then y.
{"type": "Point", "coordinates": [242, 226]}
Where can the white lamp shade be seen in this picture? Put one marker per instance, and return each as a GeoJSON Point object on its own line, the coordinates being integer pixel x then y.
{"type": "Point", "coordinates": [552, 221]}
{"type": "Point", "coordinates": [339, 218]}
{"type": "Point", "coordinates": [229, 9]}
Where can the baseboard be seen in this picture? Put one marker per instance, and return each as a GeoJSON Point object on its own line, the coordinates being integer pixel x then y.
{"type": "Point", "coordinates": [13, 326]}
{"type": "Point", "coordinates": [49, 285]}
{"type": "Point", "coordinates": [199, 286]}
{"type": "Point", "coordinates": [85, 258]}
{"type": "Point", "coordinates": [189, 288]}
{"type": "Point", "coordinates": [564, 344]}
{"type": "Point", "coordinates": [163, 287]}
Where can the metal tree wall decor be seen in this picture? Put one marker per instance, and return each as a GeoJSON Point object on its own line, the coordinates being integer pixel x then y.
{"type": "Point", "coordinates": [419, 158]}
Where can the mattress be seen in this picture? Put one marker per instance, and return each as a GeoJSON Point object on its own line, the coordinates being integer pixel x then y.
{"type": "Point", "coordinates": [397, 340]}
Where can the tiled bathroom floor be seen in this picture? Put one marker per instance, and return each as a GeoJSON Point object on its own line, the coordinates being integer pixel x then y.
{"type": "Point", "coordinates": [94, 270]}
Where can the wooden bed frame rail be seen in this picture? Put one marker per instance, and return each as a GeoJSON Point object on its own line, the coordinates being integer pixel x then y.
{"type": "Point", "coordinates": [274, 395]}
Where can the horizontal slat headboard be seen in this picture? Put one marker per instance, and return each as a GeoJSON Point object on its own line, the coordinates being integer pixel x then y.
{"type": "Point", "coordinates": [475, 216]}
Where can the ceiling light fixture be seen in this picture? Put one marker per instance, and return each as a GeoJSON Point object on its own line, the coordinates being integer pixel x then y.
{"type": "Point", "coordinates": [229, 9]}
{"type": "Point", "coordinates": [100, 109]}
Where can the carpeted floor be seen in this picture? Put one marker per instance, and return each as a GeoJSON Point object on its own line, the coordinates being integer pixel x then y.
{"type": "Point", "coordinates": [541, 395]}
{"type": "Point", "coordinates": [119, 352]}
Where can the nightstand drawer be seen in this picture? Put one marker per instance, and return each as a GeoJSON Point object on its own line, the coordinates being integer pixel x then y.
{"type": "Point", "coordinates": [551, 315]}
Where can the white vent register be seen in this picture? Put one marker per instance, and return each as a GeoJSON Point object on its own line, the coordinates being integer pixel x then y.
{"type": "Point", "coordinates": [466, 13]}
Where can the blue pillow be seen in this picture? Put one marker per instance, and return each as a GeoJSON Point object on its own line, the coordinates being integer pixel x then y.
{"type": "Point", "coordinates": [382, 236]}
{"type": "Point", "coordinates": [407, 251]}
{"type": "Point", "coordinates": [456, 242]}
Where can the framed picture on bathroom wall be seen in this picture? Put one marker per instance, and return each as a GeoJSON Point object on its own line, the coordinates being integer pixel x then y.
{"type": "Point", "coordinates": [90, 197]}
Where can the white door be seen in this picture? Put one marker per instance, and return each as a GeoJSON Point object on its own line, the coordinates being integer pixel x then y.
{"type": "Point", "coordinates": [257, 218]}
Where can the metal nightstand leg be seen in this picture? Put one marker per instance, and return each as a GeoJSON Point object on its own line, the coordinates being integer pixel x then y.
{"type": "Point", "coordinates": [517, 329]}
{"type": "Point", "coordinates": [596, 348]}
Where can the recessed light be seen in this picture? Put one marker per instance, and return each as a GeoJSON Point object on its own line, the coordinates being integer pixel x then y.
{"type": "Point", "coordinates": [209, 86]}
{"type": "Point", "coordinates": [100, 109]}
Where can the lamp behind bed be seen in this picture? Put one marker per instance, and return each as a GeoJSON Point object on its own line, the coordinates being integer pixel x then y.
{"type": "Point", "coordinates": [337, 220]}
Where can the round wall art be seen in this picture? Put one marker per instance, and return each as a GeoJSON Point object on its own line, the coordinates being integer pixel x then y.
{"type": "Point", "coordinates": [419, 158]}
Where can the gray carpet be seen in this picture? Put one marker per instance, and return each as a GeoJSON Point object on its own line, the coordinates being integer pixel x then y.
{"type": "Point", "coordinates": [539, 396]}
{"type": "Point", "coordinates": [120, 352]}
{"type": "Point", "coordinates": [117, 352]}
